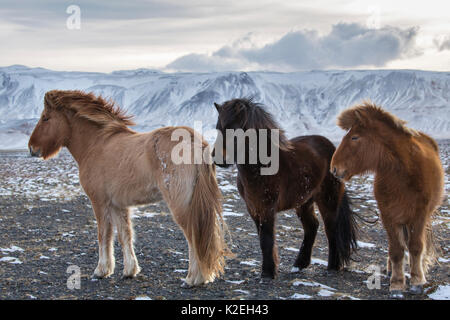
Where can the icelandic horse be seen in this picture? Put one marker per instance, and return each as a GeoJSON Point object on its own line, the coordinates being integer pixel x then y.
{"type": "Point", "coordinates": [303, 179]}
{"type": "Point", "coordinates": [120, 168]}
{"type": "Point", "coordinates": [408, 187]}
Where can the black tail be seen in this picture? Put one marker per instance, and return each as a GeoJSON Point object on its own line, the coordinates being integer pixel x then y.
{"type": "Point", "coordinates": [346, 231]}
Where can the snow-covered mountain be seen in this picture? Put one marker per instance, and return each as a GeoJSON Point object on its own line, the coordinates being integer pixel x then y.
{"type": "Point", "coordinates": [302, 102]}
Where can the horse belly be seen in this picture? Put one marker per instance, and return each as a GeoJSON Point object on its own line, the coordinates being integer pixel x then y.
{"type": "Point", "coordinates": [153, 196]}
{"type": "Point", "coordinates": [136, 195]}
{"type": "Point", "coordinates": [150, 195]}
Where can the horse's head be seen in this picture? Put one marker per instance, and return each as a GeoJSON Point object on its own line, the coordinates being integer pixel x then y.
{"type": "Point", "coordinates": [52, 130]}
{"type": "Point", "coordinates": [362, 148]}
{"type": "Point", "coordinates": [349, 158]}
{"type": "Point", "coordinates": [231, 117]}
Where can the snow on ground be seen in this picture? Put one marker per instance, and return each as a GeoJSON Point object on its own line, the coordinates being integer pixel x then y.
{"type": "Point", "coordinates": [362, 244]}
{"type": "Point", "coordinates": [311, 284]}
{"type": "Point", "coordinates": [250, 262]}
{"type": "Point", "coordinates": [142, 298]}
{"type": "Point", "coordinates": [300, 296]}
{"type": "Point", "coordinates": [12, 248]}
{"type": "Point", "coordinates": [442, 293]}
{"type": "Point", "coordinates": [12, 260]}
{"type": "Point", "coordinates": [53, 180]}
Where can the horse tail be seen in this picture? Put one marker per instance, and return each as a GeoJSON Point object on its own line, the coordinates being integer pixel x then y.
{"type": "Point", "coordinates": [346, 229]}
{"type": "Point", "coordinates": [205, 225]}
{"type": "Point", "coordinates": [340, 218]}
{"type": "Point", "coordinates": [431, 252]}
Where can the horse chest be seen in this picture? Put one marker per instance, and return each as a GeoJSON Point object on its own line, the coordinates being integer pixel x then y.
{"type": "Point", "coordinates": [260, 191]}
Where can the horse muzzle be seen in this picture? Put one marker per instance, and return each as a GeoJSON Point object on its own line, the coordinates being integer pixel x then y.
{"type": "Point", "coordinates": [36, 153]}
{"type": "Point", "coordinates": [340, 174]}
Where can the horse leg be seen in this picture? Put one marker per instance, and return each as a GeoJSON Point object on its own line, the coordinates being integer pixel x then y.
{"type": "Point", "coordinates": [388, 267]}
{"type": "Point", "coordinates": [266, 232]}
{"type": "Point", "coordinates": [416, 251]}
{"type": "Point", "coordinates": [194, 276]}
{"type": "Point", "coordinates": [396, 258]}
{"type": "Point", "coordinates": [310, 225]}
{"type": "Point", "coordinates": [105, 233]}
{"type": "Point", "coordinates": [122, 221]}
{"type": "Point", "coordinates": [328, 213]}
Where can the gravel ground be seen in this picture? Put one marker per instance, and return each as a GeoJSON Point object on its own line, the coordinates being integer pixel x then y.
{"type": "Point", "coordinates": [47, 226]}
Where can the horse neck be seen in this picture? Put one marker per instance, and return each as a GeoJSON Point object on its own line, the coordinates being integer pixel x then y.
{"type": "Point", "coordinates": [394, 159]}
{"type": "Point", "coordinates": [252, 170]}
{"type": "Point", "coordinates": [83, 137]}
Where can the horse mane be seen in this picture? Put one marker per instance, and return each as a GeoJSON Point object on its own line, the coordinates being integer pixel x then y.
{"type": "Point", "coordinates": [106, 114]}
{"type": "Point", "coordinates": [366, 113]}
{"type": "Point", "coordinates": [253, 115]}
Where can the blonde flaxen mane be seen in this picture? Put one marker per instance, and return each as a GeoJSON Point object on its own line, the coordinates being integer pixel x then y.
{"type": "Point", "coordinates": [96, 109]}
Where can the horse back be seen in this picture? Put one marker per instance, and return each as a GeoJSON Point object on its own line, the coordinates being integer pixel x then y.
{"type": "Point", "coordinates": [428, 140]}
{"type": "Point", "coordinates": [303, 169]}
{"type": "Point", "coordinates": [319, 144]}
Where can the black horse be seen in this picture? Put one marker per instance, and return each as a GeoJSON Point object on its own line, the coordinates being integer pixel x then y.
{"type": "Point", "coordinates": [302, 178]}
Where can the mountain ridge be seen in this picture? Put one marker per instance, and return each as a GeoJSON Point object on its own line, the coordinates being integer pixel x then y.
{"type": "Point", "coordinates": [302, 102]}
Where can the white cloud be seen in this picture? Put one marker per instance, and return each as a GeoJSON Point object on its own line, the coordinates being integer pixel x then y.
{"type": "Point", "coordinates": [347, 45]}
{"type": "Point", "coordinates": [134, 34]}
{"type": "Point", "coordinates": [442, 43]}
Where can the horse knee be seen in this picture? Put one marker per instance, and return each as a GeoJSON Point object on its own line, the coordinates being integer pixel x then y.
{"type": "Point", "coordinates": [415, 248]}
{"type": "Point", "coordinates": [396, 257]}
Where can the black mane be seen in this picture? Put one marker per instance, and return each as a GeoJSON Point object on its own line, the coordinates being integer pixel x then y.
{"type": "Point", "coordinates": [252, 115]}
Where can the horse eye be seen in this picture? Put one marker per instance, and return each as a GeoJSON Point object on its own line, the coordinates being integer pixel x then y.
{"type": "Point", "coordinates": [355, 138]}
{"type": "Point", "coordinates": [45, 119]}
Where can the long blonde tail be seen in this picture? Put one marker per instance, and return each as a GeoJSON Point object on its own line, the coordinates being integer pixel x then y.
{"type": "Point", "coordinates": [205, 225]}
{"type": "Point", "coordinates": [431, 253]}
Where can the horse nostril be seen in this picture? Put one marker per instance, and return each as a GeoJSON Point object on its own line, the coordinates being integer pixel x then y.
{"type": "Point", "coordinates": [334, 170]}
{"type": "Point", "coordinates": [34, 153]}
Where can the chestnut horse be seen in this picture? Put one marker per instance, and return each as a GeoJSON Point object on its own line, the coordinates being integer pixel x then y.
{"type": "Point", "coordinates": [120, 168]}
{"type": "Point", "coordinates": [302, 179]}
{"type": "Point", "coordinates": [409, 182]}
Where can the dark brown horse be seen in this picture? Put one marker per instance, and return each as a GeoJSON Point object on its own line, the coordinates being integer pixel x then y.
{"type": "Point", "coordinates": [409, 183]}
{"type": "Point", "coordinates": [302, 179]}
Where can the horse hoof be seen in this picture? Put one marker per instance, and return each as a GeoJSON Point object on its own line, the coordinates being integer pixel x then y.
{"type": "Point", "coordinates": [265, 281]}
{"type": "Point", "coordinates": [331, 272]}
{"type": "Point", "coordinates": [295, 269]}
{"type": "Point", "coordinates": [100, 276]}
{"type": "Point", "coordinates": [396, 294]}
{"type": "Point", "coordinates": [416, 289]}
{"type": "Point", "coordinates": [184, 285]}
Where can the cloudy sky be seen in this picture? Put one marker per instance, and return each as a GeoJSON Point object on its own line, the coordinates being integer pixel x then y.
{"type": "Point", "coordinates": [220, 35]}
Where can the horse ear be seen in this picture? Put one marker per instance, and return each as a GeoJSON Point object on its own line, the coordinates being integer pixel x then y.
{"type": "Point", "coordinates": [49, 99]}
{"type": "Point", "coordinates": [217, 106]}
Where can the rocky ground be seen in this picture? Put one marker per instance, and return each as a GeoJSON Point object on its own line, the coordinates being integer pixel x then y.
{"type": "Point", "coordinates": [47, 226]}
